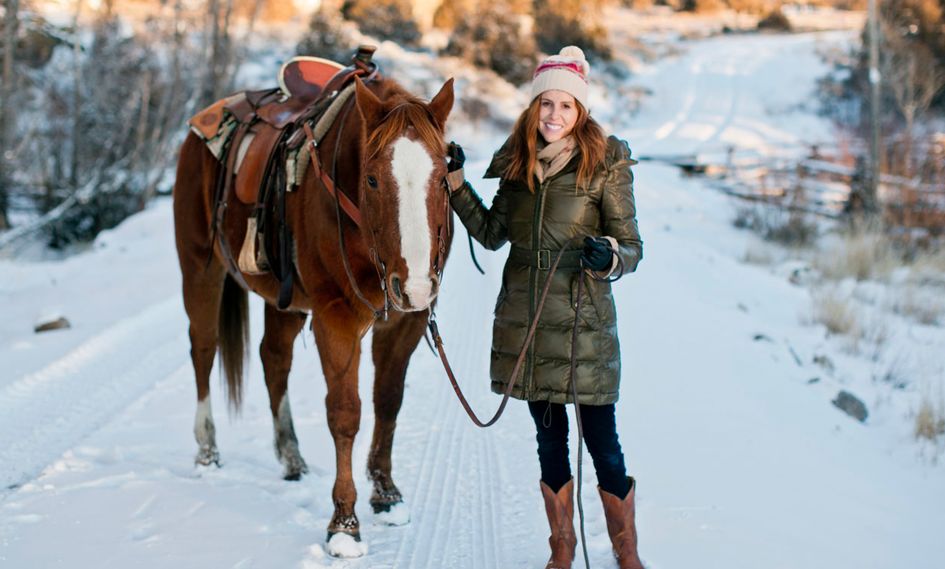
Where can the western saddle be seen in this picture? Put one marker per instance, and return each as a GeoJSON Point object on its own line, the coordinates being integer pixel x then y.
{"type": "Point", "coordinates": [264, 140]}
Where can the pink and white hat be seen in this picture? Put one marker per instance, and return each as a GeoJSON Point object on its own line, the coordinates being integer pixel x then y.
{"type": "Point", "coordinates": [566, 72]}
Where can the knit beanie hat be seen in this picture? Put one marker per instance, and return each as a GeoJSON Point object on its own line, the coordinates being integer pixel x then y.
{"type": "Point", "coordinates": [566, 72]}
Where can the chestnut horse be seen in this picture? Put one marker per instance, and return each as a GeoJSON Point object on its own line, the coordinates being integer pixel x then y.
{"type": "Point", "coordinates": [390, 162]}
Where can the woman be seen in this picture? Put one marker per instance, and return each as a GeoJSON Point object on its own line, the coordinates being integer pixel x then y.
{"type": "Point", "coordinates": [562, 185]}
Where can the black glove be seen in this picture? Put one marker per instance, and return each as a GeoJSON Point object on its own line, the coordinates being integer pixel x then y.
{"type": "Point", "coordinates": [597, 254]}
{"type": "Point", "coordinates": [456, 155]}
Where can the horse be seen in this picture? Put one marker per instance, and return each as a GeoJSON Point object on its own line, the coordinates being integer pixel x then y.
{"type": "Point", "coordinates": [388, 155]}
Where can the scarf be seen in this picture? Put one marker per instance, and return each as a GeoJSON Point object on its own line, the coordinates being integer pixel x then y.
{"type": "Point", "coordinates": [552, 158]}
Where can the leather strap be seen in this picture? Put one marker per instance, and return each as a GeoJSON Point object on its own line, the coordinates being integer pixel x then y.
{"type": "Point", "coordinates": [347, 205]}
{"type": "Point", "coordinates": [438, 342]}
{"type": "Point", "coordinates": [219, 215]}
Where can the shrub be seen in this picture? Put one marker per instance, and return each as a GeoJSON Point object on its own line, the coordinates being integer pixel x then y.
{"type": "Point", "coordinates": [327, 37]}
{"type": "Point", "coordinates": [384, 19]}
{"type": "Point", "coordinates": [748, 6]}
{"type": "Point", "coordinates": [775, 21]}
{"type": "Point", "coordinates": [570, 22]}
{"type": "Point", "coordinates": [700, 6]}
{"type": "Point", "coordinates": [493, 38]}
{"type": "Point", "coordinates": [790, 228]}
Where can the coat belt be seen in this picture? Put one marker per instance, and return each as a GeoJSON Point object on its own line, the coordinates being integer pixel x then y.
{"type": "Point", "coordinates": [542, 258]}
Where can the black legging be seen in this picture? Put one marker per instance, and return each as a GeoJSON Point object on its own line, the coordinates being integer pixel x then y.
{"type": "Point", "coordinates": [600, 435]}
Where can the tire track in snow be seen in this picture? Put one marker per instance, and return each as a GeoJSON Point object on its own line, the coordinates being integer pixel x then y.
{"type": "Point", "coordinates": [45, 413]}
{"type": "Point", "coordinates": [455, 521]}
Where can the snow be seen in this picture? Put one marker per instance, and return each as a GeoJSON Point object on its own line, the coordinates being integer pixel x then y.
{"type": "Point", "coordinates": [398, 515]}
{"type": "Point", "coordinates": [741, 460]}
{"type": "Point", "coordinates": [345, 546]}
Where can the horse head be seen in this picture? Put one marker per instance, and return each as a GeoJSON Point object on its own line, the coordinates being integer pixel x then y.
{"type": "Point", "coordinates": [404, 207]}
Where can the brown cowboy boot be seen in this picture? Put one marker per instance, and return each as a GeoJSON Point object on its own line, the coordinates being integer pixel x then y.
{"type": "Point", "coordinates": [621, 526]}
{"type": "Point", "coordinates": [560, 510]}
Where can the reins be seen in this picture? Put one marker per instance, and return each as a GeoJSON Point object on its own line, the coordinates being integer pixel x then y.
{"type": "Point", "coordinates": [438, 342]}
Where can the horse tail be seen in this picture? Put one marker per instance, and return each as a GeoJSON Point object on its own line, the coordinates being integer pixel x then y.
{"type": "Point", "coordinates": [233, 337]}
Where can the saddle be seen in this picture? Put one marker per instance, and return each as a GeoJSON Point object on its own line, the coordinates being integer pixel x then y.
{"type": "Point", "coordinates": [258, 136]}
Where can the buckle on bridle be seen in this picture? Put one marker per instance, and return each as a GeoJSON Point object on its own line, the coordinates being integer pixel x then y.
{"type": "Point", "coordinates": [543, 258]}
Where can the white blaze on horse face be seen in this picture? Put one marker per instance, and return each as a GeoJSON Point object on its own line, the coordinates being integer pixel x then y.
{"type": "Point", "coordinates": [412, 167]}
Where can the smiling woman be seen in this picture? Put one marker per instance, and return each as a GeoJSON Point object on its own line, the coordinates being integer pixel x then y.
{"type": "Point", "coordinates": [564, 185]}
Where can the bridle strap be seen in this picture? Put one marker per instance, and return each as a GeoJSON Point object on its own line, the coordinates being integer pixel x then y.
{"type": "Point", "coordinates": [349, 207]}
{"type": "Point", "coordinates": [340, 200]}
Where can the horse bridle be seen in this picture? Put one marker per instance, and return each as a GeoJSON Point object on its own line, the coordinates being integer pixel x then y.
{"type": "Point", "coordinates": [341, 201]}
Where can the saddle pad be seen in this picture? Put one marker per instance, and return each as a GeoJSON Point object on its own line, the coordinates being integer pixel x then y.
{"type": "Point", "coordinates": [207, 122]}
{"type": "Point", "coordinates": [305, 76]}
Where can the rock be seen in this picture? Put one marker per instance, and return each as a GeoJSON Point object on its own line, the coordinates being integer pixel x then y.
{"type": "Point", "coordinates": [849, 404]}
{"type": "Point", "coordinates": [825, 362]}
{"type": "Point", "coordinates": [761, 337]}
{"type": "Point", "coordinates": [57, 324]}
{"type": "Point", "coordinates": [813, 380]}
{"type": "Point", "coordinates": [798, 273]}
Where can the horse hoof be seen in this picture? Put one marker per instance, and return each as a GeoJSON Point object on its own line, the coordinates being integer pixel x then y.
{"type": "Point", "coordinates": [294, 469]}
{"type": "Point", "coordinates": [385, 496]}
{"type": "Point", "coordinates": [391, 514]}
{"type": "Point", "coordinates": [346, 546]}
{"type": "Point", "coordinates": [207, 456]}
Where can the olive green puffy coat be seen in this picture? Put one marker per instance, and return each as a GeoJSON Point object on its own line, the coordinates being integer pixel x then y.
{"type": "Point", "coordinates": [539, 224]}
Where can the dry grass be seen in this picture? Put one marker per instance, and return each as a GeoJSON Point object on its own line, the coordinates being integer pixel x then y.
{"type": "Point", "coordinates": [928, 267]}
{"type": "Point", "coordinates": [791, 229]}
{"type": "Point", "coordinates": [758, 254]}
{"type": "Point", "coordinates": [925, 308]}
{"type": "Point", "coordinates": [930, 418]}
{"type": "Point", "coordinates": [870, 337]}
{"type": "Point", "coordinates": [861, 254]}
{"type": "Point", "coordinates": [834, 312]}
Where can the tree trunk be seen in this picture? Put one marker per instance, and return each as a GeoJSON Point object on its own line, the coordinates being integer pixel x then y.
{"type": "Point", "coordinates": [76, 103]}
{"type": "Point", "coordinates": [215, 79]}
{"type": "Point", "coordinates": [10, 25]}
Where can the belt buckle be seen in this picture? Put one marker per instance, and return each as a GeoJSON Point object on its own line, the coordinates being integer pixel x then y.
{"type": "Point", "coordinates": [544, 259]}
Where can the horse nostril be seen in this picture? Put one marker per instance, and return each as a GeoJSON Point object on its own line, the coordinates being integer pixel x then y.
{"type": "Point", "coordinates": [395, 287]}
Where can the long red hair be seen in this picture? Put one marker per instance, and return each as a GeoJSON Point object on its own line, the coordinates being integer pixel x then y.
{"type": "Point", "coordinates": [588, 135]}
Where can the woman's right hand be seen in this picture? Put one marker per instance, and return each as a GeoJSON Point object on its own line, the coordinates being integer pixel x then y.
{"type": "Point", "coordinates": [456, 155]}
{"type": "Point", "coordinates": [455, 176]}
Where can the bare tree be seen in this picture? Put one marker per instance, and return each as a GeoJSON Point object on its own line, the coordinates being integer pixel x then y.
{"type": "Point", "coordinates": [914, 78]}
{"type": "Point", "coordinates": [219, 51]}
{"type": "Point", "coordinates": [10, 27]}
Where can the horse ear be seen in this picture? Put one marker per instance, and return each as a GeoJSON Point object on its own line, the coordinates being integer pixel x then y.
{"type": "Point", "coordinates": [370, 106]}
{"type": "Point", "coordinates": [442, 104]}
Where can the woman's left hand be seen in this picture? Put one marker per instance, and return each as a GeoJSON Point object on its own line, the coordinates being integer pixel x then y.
{"type": "Point", "coordinates": [597, 254]}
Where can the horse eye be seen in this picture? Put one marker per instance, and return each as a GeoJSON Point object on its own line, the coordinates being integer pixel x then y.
{"type": "Point", "coordinates": [372, 181]}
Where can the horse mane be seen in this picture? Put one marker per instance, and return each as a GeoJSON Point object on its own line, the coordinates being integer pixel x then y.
{"type": "Point", "coordinates": [406, 111]}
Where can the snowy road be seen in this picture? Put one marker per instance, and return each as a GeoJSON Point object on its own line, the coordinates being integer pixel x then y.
{"type": "Point", "coordinates": [740, 463]}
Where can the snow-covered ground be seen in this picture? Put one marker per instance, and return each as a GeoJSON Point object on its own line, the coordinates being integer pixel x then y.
{"type": "Point", "coordinates": [741, 461]}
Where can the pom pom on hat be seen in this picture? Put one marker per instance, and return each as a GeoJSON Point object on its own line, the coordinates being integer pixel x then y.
{"type": "Point", "coordinates": [566, 72]}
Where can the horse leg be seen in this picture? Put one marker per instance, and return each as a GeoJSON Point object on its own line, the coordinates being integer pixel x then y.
{"type": "Point", "coordinates": [276, 353]}
{"type": "Point", "coordinates": [393, 344]}
{"type": "Point", "coordinates": [337, 328]}
{"type": "Point", "coordinates": [203, 291]}
{"type": "Point", "coordinates": [203, 282]}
